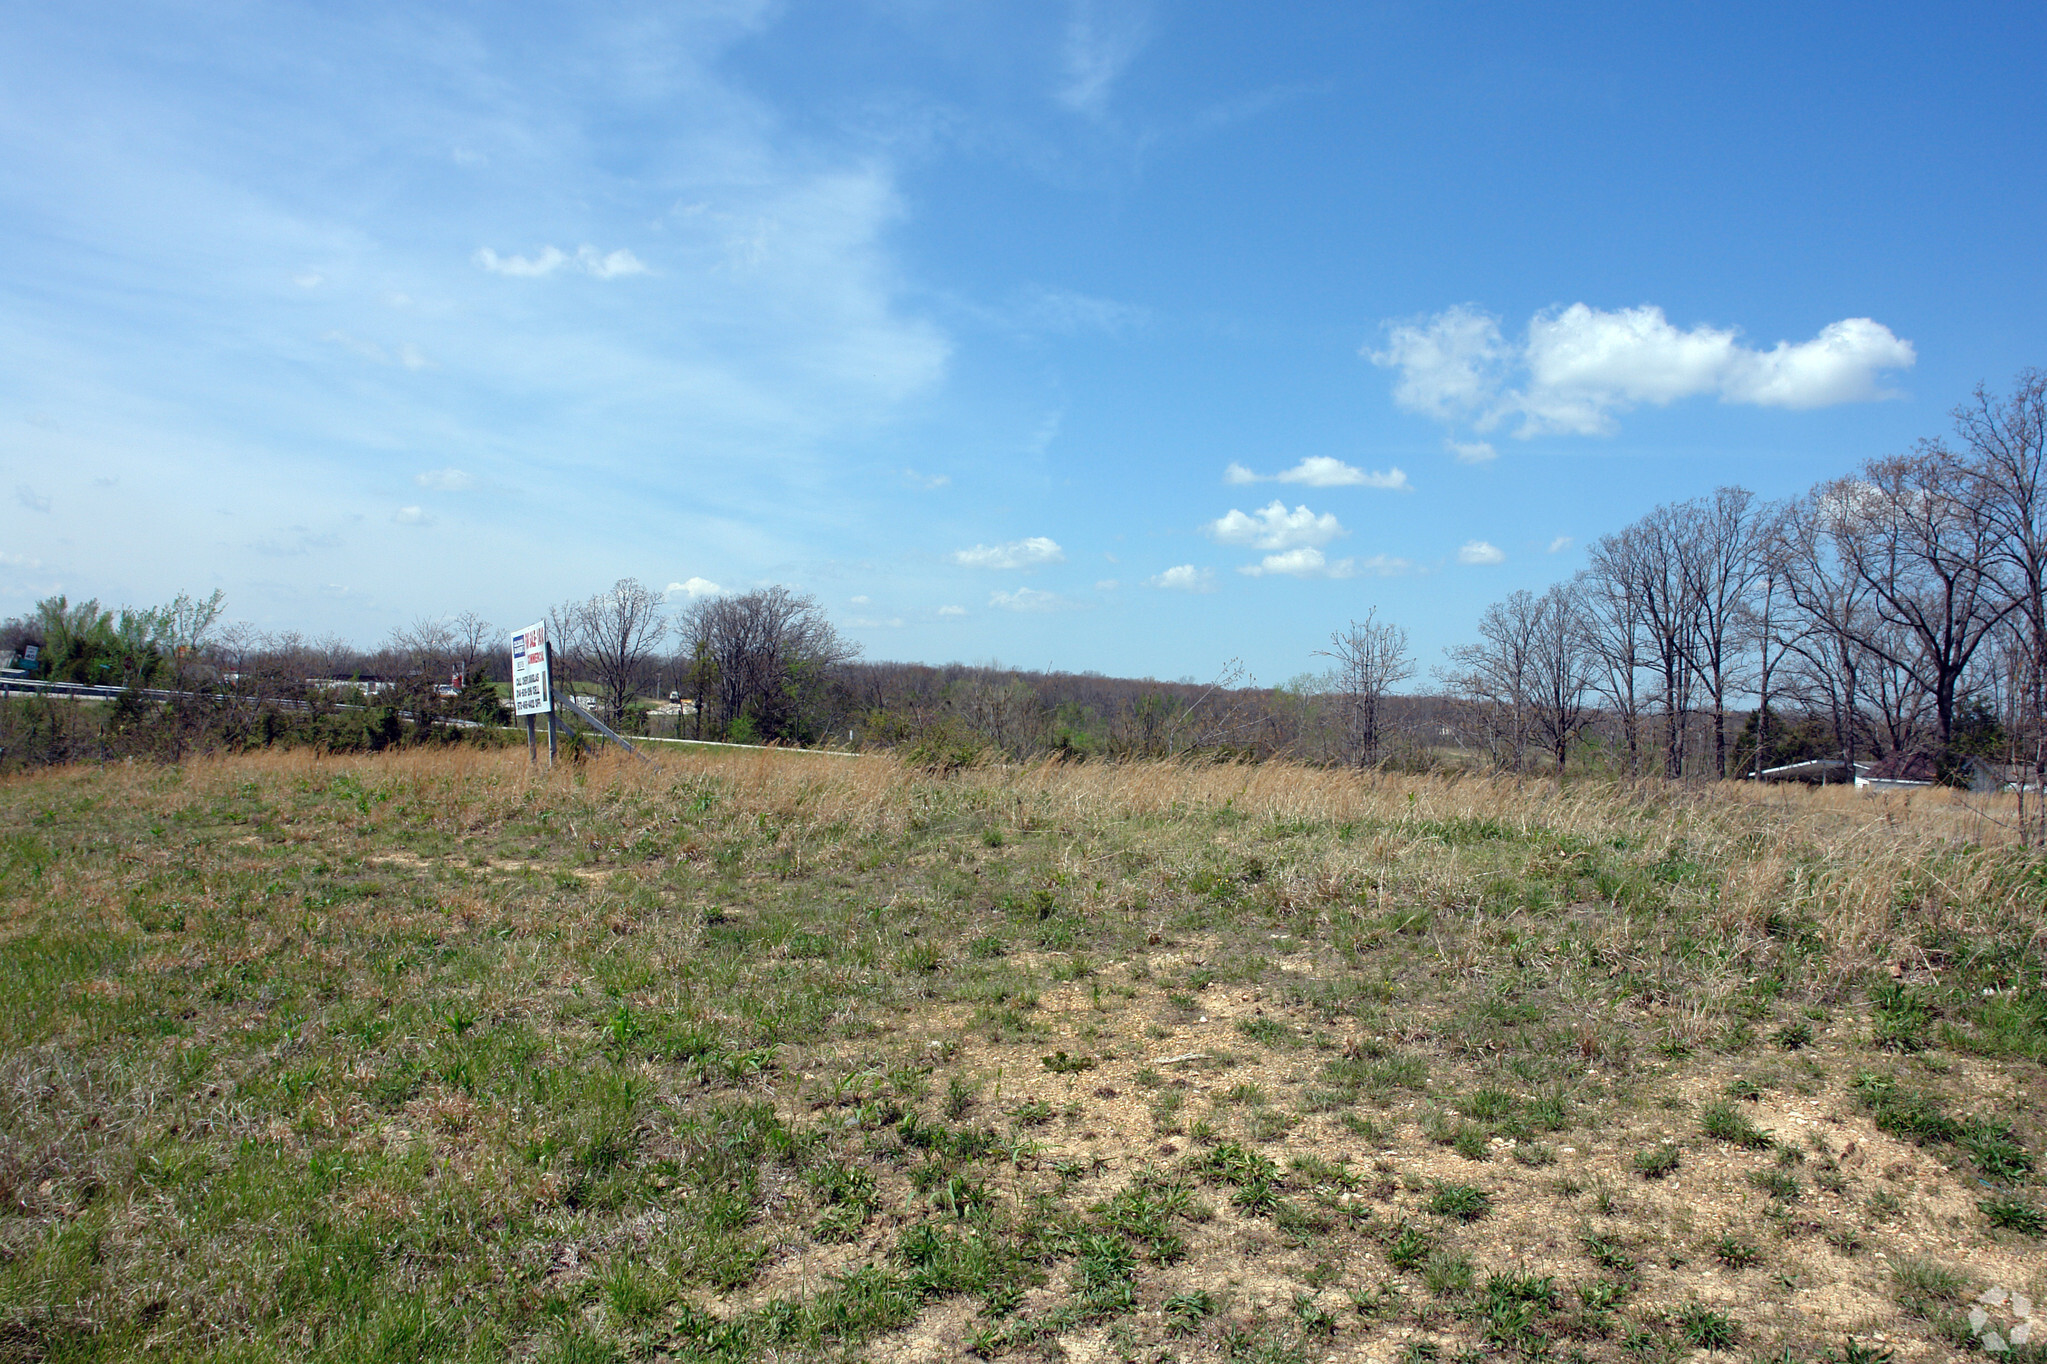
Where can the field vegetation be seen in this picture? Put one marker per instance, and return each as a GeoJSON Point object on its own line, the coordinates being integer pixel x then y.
{"type": "Point", "coordinates": [429, 1055]}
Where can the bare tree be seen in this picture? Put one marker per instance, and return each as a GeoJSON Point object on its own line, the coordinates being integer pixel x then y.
{"type": "Point", "coordinates": [1647, 562]}
{"type": "Point", "coordinates": [1495, 677]}
{"type": "Point", "coordinates": [1560, 669]}
{"type": "Point", "coordinates": [764, 656]}
{"type": "Point", "coordinates": [1371, 658]}
{"type": "Point", "coordinates": [2004, 460]}
{"type": "Point", "coordinates": [1723, 559]}
{"type": "Point", "coordinates": [613, 636]}
{"type": "Point", "coordinates": [1616, 634]}
{"type": "Point", "coordinates": [1927, 556]}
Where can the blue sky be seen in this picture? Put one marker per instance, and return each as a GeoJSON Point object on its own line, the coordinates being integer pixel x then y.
{"type": "Point", "coordinates": [1133, 337]}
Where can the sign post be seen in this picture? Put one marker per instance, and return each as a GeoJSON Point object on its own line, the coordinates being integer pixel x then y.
{"type": "Point", "coordinates": [532, 685]}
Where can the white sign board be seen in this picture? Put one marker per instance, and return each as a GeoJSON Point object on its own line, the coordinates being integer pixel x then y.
{"type": "Point", "coordinates": [529, 672]}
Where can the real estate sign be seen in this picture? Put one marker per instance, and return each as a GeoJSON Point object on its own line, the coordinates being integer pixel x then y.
{"type": "Point", "coordinates": [529, 672]}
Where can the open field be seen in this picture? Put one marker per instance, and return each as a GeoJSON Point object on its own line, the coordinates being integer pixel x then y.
{"type": "Point", "coordinates": [426, 1056]}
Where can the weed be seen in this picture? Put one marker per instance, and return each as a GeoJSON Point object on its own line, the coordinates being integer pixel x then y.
{"type": "Point", "coordinates": [1793, 1036]}
{"type": "Point", "coordinates": [1735, 1253]}
{"type": "Point", "coordinates": [1705, 1329]}
{"type": "Point", "coordinates": [1775, 1183]}
{"type": "Point", "coordinates": [2009, 1212]}
{"type": "Point", "coordinates": [1658, 1162]}
{"type": "Point", "coordinates": [1724, 1122]}
{"type": "Point", "coordinates": [1186, 1311]}
{"type": "Point", "coordinates": [1465, 1202]}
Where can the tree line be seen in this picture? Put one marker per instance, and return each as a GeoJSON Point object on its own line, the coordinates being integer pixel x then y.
{"type": "Point", "coordinates": [1895, 613]}
{"type": "Point", "coordinates": [1898, 612]}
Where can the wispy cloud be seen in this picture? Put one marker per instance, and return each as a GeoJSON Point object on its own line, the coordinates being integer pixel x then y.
{"type": "Point", "coordinates": [412, 516]}
{"type": "Point", "coordinates": [693, 588]}
{"type": "Point", "coordinates": [1560, 544]}
{"type": "Point", "coordinates": [1102, 39]}
{"type": "Point", "coordinates": [1575, 368]}
{"type": "Point", "coordinates": [925, 482]}
{"type": "Point", "coordinates": [1480, 552]}
{"type": "Point", "coordinates": [1322, 471]}
{"type": "Point", "coordinates": [1031, 553]}
{"type": "Point", "coordinates": [445, 480]}
{"type": "Point", "coordinates": [1028, 599]}
{"type": "Point", "coordinates": [952, 610]}
{"type": "Point", "coordinates": [1274, 527]}
{"type": "Point", "coordinates": [1470, 451]}
{"type": "Point", "coordinates": [30, 498]}
{"type": "Point", "coordinates": [1185, 578]}
{"type": "Point", "coordinates": [588, 259]}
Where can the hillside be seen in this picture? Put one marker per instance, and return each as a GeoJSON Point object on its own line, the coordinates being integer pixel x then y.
{"type": "Point", "coordinates": [428, 1055]}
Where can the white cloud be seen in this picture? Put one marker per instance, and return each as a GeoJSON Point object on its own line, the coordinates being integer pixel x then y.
{"type": "Point", "coordinates": [1470, 451]}
{"type": "Point", "coordinates": [307, 279]}
{"type": "Point", "coordinates": [546, 262]}
{"type": "Point", "coordinates": [1580, 365]}
{"type": "Point", "coordinates": [1186, 578]}
{"type": "Point", "coordinates": [413, 358]}
{"type": "Point", "coordinates": [1560, 544]}
{"type": "Point", "coordinates": [1451, 366]}
{"type": "Point", "coordinates": [1027, 599]}
{"type": "Point", "coordinates": [870, 623]}
{"type": "Point", "coordinates": [926, 482]}
{"type": "Point", "coordinates": [1322, 471]}
{"type": "Point", "coordinates": [1479, 552]}
{"type": "Point", "coordinates": [30, 498]}
{"type": "Point", "coordinates": [588, 259]}
{"type": "Point", "coordinates": [1107, 584]}
{"type": "Point", "coordinates": [859, 601]}
{"type": "Point", "coordinates": [1030, 553]}
{"type": "Point", "coordinates": [952, 610]}
{"type": "Point", "coordinates": [1274, 527]}
{"type": "Point", "coordinates": [1305, 562]}
{"type": "Point", "coordinates": [412, 516]}
{"type": "Point", "coordinates": [445, 480]}
{"type": "Point", "coordinates": [609, 264]}
{"type": "Point", "coordinates": [693, 588]}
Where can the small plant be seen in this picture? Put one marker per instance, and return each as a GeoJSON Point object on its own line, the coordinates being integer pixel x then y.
{"type": "Point", "coordinates": [1465, 1202]}
{"type": "Point", "coordinates": [1741, 1087]}
{"type": "Point", "coordinates": [1059, 1063]}
{"type": "Point", "coordinates": [1409, 1247]}
{"type": "Point", "coordinates": [1705, 1329]}
{"type": "Point", "coordinates": [1471, 1143]}
{"type": "Point", "coordinates": [1902, 1017]}
{"type": "Point", "coordinates": [1658, 1162]}
{"type": "Point", "coordinates": [1735, 1253]}
{"type": "Point", "coordinates": [1793, 1036]}
{"type": "Point", "coordinates": [1608, 1253]}
{"type": "Point", "coordinates": [1921, 1284]}
{"type": "Point", "coordinates": [1445, 1274]}
{"type": "Point", "coordinates": [1314, 1320]}
{"type": "Point", "coordinates": [1268, 1032]}
{"type": "Point", "coordinates": [1775, 1183]}
{"type": "Point", "coordinates": [1724, 1122]}
{"type": "Point", "coordinates": [1186, 1311]}
{"type": "Point", "coordinates": [2012, 1213]}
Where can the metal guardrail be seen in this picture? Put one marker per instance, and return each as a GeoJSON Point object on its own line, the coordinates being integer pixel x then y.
{"type": "Point", "coordinates": [85, 692]}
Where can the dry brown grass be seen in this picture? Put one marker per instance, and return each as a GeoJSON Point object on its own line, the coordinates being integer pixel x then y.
{"type": "Point", "coordinates": [438, 1055]}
